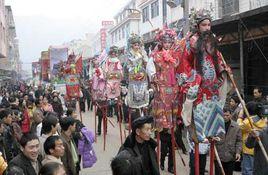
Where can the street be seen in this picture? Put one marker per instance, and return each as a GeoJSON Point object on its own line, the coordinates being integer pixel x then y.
{"type": "Point", "coordinates": [102, 167]}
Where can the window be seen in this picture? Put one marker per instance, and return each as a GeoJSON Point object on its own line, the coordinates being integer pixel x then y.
{"type": "Point", "coordinates": [154, 9]}
{"type": "Point", "coordinates": [123, 32]}
{"type": "Point", "coordinates": [145, 14]}
{"type": "Point", "coordinates": [230, 6]}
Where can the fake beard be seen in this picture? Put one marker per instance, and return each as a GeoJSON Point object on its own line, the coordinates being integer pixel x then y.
{"type": "Point", "coordinates": [207, 44]}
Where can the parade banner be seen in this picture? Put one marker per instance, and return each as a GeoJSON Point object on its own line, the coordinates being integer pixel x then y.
{"type": "Point", "coordinates": [72, 85]}
{"type": "Point", "coordinates": [58, 55]}
{"type": "Point", "coordinates": [36, 69]}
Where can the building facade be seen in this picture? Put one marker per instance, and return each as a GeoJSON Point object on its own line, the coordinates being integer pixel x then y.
{"type": "Point", "coordinates": [3, 39]}
{"type": "Point", "coordinates": [12, 41]}
{"type": "Point", "coordinates": [127, 22]}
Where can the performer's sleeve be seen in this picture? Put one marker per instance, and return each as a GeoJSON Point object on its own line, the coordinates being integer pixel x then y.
{"type": "Point", "coordinates": [150, 68]}
{"type": "Point", "coordinates": [145, 57]}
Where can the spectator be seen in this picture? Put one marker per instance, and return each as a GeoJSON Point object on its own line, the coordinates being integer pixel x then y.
{"type": "Point", "coordinates": [258, 123]}
{"type": "Point", "coordinates": [70, 158]}
{"type": "Point", "coordinates": [235, 107]}
{"type": "Point", "coordinates": [54, 150]}
{"type": "Point", "coordinates": [230, 145]}
{"type": "Point", "coordinates": [141, 147]}
{"type": "Point", "coordinates": [15, 170]}
{"type": "Point", "coordinates": [260, 163]}
{"type": "Point", "coordinates": [37, 118]}
{"type": "Point", "coordinates": [39, 92]}
{"type": "Point", "coordinates": [46, 106]}
{"type": "Point", "coordinates": [79, 125]}
{"type": "Point", "coordinates": [52, 169]}
{"type": "Point", "coordinates": [28, 160]}
{"type": "Point", "coordinates": [257, 95]}
{"type": "Point", "coordinates": [57, 106]}
{"type": "Point", "coordinates": [122, 165]}
{"type": "Point", "coordinates": [49, 128]}
{"type": "Point", "coordinates": [9, 141]}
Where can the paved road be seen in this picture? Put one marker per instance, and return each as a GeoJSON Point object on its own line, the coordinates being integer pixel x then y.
{"type": "Point", "coordinates": [102, 167]}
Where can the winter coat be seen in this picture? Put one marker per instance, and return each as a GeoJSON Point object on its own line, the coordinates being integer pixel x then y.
{"type": "Point", "coordinates": [258, 123]}
{"type": "Point", "coordinates": [230, 143]}
{"type": "Point", "coordinates": [25, 164]}
{"type": "Point", "coordinates": [67, 158]}
{"type": "Point", "coordinates": [260, 164]}
{"type": "Point", "coordinates": [131, 150]}
{"type": "Point", "coordinates": [85, 148]}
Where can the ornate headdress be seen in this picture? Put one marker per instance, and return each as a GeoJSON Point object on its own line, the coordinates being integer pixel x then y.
{"type": "Point", "coordinates": [134, 38]}
{"type": "Point", "coordinates": [166, 35]}
{"type": "Point", "coordinates": [197, 16]}
{"type": "Point", "coordinates": [113, 49]}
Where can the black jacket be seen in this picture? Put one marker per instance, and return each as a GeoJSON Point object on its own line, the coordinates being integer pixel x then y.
{"type": "Point", "coordinates": [24, 163]}
{"type": "Point", "coordinates": [260, 163]}
{"type": "Point", "coordinates": [130, 149]}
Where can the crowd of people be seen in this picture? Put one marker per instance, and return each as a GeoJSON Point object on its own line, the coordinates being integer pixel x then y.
{"type": "Point", "coordinates": [41, 134]}
{"type": "Point", "coordinates": [179, 91]}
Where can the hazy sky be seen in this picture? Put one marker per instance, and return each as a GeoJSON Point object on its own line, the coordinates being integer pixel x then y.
{"type": "Point", "coordinates": [40, 23]}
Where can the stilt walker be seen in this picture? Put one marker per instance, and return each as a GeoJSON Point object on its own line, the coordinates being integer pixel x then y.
{"type": "Point", "coordinates": [98, 94]}
{"type": "Point", "coordinates": [203, 82]}
{"type": "Point", "coordinates": [136, 76]}
{"type": "Point", "coordinates": [162, 70]}
{"type": "Point", "coordinates": [113, 74]}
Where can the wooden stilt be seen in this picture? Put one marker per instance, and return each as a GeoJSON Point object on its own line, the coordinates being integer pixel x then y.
{"type": "Point", "coordinates": [120, 121]}
{"type": "Point", "coordinates": [196, 159]}
{"type": "Point", "coordinates": [129, 120]}
{"type": "Point", "coordinates": [218, 160]}
{"type": "Point", "coordinates": [212, 155]}
{"type": "Point", "coordinates": [104, 114]}
{"type": "Point", "coordinates": [158, 147]}
{"type": "Point", "coordinates": [173, 149]}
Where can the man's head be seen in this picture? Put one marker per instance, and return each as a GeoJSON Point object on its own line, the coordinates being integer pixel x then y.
{"type": "Point", "coordinates": [30, 146]}
{"type": "Point", "coordinates": [204, 25]}
{"type": "Point", "coordinates": [71, 113]}
{"type": "Point", "coordinates": [257, 92]}
{"type": "Point", "coordinates": [38, 103]}
{"type": "Point", "coordinates": [234, 101]}
{"type": "Point", "coordinates": [135, 42]}
{"type": "Point", "coordinates": [200, 20]}
{"type": "Point", "coordinates": [122, 165]}
{"type": "Point", "coordinates": [113, 51]}
{"type": "Point", "coordinates": [142, 127]}
{"type": "Point", "coordinates": [254, 108]}
{"type": "Point", "coordinates": [49, 123]}
{"type": "Point", "coordinates": [227, 116]}
{"type": "Point", "coordinates": [54, 146]}
{"type": "Point", "coordinates": [68, 124]}
{"type": "Point", "coordinates": [5, 116]}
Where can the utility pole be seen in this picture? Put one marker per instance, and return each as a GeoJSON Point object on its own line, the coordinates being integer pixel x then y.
{"type": "Point", "coordinates": [186, 27]}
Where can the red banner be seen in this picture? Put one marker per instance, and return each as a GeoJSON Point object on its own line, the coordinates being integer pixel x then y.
{"type": "Point", "coordinates": [45, 69]}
